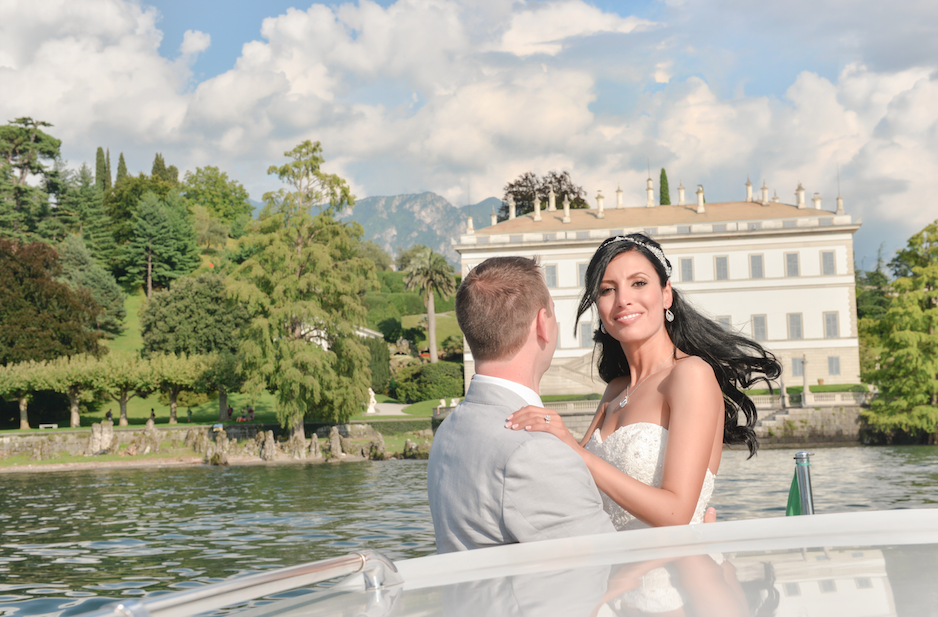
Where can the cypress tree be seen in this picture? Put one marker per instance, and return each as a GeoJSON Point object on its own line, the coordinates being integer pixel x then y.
{"type": "Point", "coordinates": [159, 167]}
{"type": "Point", "coordinates": [86, 200]}
{"type": "Point", "coordinates": [107, 175]}
{"type": "Point", "coordinates": [100, 169]}
{"type": "Point", "coordinates": [121, 170]}
{"type": "Point", "coordinates": [665, 191]}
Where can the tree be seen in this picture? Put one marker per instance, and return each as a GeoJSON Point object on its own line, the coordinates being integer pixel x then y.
{"type": "Point", "coordinates": [72, 376]}
{"type": "Point", "coordinates": [25, 150]}
{"type": "Point", "coordinates": [121, 170]}
{"type": "Point", "coordinates": [151, 251]}
{"type": "Point", "coordinates": [161, 172]}
{"type": "Point", "coordinates": [18, 381]}
{"type": "Point", "coordinates": [304, 289]}
{"type": "Point", "coordinates": [209, 230]}
{"type": "Point", "coordinates": [374, 252]}
{"type": "Point", "coordinates": [81, 272]}
{"type": "Point", "coordinates": [907, 375]}
{"type": "Point", "coordinates": [665, 192]}
{"type": "Point", "coordinates": [194, 316]}
{"type": "Point", "coordinates": [100, 169]}
{"type": "Point", "coordinates": [123, 376]}
{"type": "Point", "coordinates": [872, 289]}
{"type": "Point", "coordinates": [430, 274]}
{"type": "Point", "coordinates": [224, 198]}
{"type": "Point", "coordinates": [121, 202]}
{"type": "Point", "coordinates": [163, 244]}
{"type": "Point", "coordinates": [405, 257]}
{"type": "Point", "coordinates": [174, 374]}
{"type": "Point", "coordinates": [86, 201]}
{"type": "Point", "coordinates": [380, 364]}
{"type": "Point", "coordinates": [529, 186]}
{"type": "Point", "coordinates": [41, 318]}
{"type": "Point", "coordinates": [223, 374]}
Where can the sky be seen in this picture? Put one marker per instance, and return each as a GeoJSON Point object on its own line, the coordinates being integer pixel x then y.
{"type": "Point", "coordinates": [461, 97]}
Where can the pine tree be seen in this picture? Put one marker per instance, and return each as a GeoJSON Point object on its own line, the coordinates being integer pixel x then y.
{"type": "Point", "coordinates": [100, 170]}
{"type": "Point", "coordinates": [87, 200]}
{"type": "Point", "coordinates": [159, 167]}
{"type": "Point", "coordinates": [151, 251]}
{"type": "Point", "coordinates": [121, 170]}
{"type": "Point", "coordinates": [80, 271]}
{"type": "Point", "coordinates": [665, 199]}
{"type": "Point", "coordinates": [107, 174]}
{"type": "Point", "coordinates": [25, 150]}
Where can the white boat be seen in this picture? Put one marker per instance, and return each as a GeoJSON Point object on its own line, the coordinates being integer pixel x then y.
{"type": "Point", "coordinates": [858, 564]}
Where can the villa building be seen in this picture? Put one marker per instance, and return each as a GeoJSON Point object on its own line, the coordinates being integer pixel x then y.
{"type": "Point", "coordinates": [779, 273]}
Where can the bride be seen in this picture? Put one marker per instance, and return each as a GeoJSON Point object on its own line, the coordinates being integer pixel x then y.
{"type": "Point", "coordinates": [672, 398]}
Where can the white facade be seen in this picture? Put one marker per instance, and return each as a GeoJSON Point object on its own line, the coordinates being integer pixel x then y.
{"type": "Point", "coordinates": [776, 272]}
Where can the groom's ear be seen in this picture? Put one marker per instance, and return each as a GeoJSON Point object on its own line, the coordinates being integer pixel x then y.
{"type": "Point", "coordinates": [542, 325]}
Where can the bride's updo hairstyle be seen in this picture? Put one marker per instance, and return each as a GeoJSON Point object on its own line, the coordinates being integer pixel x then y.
{"type": "Point", "coordinates": [737, 362]}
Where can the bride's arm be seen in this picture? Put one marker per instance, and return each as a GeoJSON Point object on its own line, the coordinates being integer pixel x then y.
{"type": "Point", "coordinates": [696, 405]}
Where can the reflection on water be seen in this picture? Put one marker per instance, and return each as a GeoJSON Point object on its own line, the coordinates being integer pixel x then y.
{"type": "Point", "coordinates": [74, 540]}
{"type": "Point", "coordinates": [843, 480]}
{"type": "Point", "coordinates": [68, 537]}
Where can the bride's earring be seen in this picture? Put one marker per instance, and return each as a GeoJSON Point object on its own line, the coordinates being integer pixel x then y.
{"type": "Point", "coordinates": [668, 314]}
{"type": "Point", "coordinates": [602, 327]}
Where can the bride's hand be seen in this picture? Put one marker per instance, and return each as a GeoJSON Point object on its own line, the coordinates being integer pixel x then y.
{"type": "Point", "coordinates": [532, 418]}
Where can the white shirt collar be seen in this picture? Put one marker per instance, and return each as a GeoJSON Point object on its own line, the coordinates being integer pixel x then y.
{"type": "Point", "coordinates": [530, 396]}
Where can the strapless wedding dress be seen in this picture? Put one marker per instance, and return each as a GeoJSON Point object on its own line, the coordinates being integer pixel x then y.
{"type": "Point", "coordinates": [638, 450]}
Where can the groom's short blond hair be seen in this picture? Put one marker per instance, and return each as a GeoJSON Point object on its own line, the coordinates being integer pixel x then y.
{"type": "Point", "coordinates": [496, 303]}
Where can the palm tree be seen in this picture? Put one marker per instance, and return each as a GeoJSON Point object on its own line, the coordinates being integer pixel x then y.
{"type": "Point", "coordinates": [428, 272]}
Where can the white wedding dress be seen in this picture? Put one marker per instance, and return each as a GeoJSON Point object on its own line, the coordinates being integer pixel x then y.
{"type": "Point", "coordinates": [638, 450]}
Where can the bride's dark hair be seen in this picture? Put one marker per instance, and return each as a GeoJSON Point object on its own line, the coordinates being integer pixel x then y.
{"type": "Point", "coordinates": [737, 362]}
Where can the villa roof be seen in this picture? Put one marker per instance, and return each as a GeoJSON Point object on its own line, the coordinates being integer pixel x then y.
{"type": "Point", "coordinates": [651, 217]}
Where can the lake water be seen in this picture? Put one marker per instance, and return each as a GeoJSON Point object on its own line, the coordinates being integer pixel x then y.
{"type": "Point", "coordinates": [72, 541]}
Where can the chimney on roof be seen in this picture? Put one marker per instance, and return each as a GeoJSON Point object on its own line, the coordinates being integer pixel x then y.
{"type": "Point", "coordinates": [552, 201]}
{"type": "Point", "coordinates": [775, 197]}
{"type": "Point", "coordinates": [748, 189]}
{"type": "Point", "coordinates": [566, 208]}
{"type": "Point", "coordinates": [817, 201]}
{"type": "Point", "coordinates": [700, 199]}
{"type": "Point", "coordinates": [512, 211]}
{"type": "Point", "coordinates": [840, 205]}
{"type": "Point", "coordinates": [799, 197]}
{"type": "Point", "coordinates": [469, 227]}
{"type": "Point", "coordinates": [494, 217]}
{"type": "Point", "coordinates": [599, 204]}
{"type": "Point", "coordinates": [765, 193]}
{"type": "Point", "coordinates": [537, 208]}
{"type": "Point", "coordinates": [619, 202]}
{"type": "Point", "coordinates": [650, 202]}
{"type": "Point", "coordinates": [680, 195]}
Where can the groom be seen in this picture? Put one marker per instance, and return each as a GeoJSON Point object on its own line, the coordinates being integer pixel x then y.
{"type": "Point", "coordinates": [488, 485]}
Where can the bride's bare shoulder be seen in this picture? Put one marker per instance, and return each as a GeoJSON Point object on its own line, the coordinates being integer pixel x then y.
{"type": "Point", "coordinates": [692, 368]}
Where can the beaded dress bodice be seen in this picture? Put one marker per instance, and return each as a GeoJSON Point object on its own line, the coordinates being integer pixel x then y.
{"type": "Point", "coordinates": [638, 450]}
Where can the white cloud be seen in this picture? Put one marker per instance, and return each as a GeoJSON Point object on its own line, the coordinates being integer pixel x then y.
{"type": "Point", "coordinates": [439, 94]}
{"type": "Point", "coordinates": [543, 29]}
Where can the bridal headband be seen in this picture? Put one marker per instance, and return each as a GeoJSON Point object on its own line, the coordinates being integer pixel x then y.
{"type": "Point", "coordinates": [654, 250]}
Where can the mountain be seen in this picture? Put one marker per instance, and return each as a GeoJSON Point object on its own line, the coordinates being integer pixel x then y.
{"type": "Point", "coordinates": [481, 212]}
{"type": "Point", "coordinates": [398, 222]}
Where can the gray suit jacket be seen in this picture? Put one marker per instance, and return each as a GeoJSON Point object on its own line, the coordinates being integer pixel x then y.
{"type": "Point", "coordinates": [490, 485]}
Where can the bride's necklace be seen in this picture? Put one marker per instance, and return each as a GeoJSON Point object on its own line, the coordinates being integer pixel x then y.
{"type": "Point", "coordinates": [628, 390]}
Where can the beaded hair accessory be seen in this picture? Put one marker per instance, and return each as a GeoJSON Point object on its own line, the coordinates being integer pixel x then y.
{"type": "Point", "coordinates": [654, 250]}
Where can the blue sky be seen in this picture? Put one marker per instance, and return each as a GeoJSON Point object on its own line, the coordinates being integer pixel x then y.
{"type": "Point", "coordinates": [441, 95]}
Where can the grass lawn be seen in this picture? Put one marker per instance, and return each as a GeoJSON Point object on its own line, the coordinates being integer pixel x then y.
{"type": "Point", "coordinates": [423, 409]}
{"type": "Point", "coordinates": [130, 340]}
{"type": "Point", "coordinates": [446, 325]}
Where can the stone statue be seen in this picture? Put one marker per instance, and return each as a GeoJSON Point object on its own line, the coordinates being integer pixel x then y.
{"type": "Point", "coordinates": [371, 401]}
{"type": "Point", "coordinates": [453, 402]}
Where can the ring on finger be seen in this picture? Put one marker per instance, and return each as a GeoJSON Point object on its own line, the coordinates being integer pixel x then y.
{"type": "Point", "coordinates": [547, 418]}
